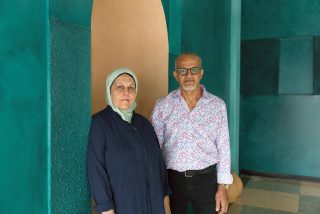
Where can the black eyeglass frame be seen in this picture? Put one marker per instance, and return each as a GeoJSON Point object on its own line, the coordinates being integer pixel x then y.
{"type": "Point", "coordinates": [184, 71]}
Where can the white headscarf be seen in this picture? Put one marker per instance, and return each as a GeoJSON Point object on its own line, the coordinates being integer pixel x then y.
{"type": "Point", "coordinates": [125, 114]}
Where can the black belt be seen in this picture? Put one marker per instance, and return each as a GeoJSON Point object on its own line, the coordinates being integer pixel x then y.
{"type": "Point", "coordinates": [191, 173]}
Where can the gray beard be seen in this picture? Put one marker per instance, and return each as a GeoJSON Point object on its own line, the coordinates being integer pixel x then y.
{"type": "Point", "coordinates": [189, 88]}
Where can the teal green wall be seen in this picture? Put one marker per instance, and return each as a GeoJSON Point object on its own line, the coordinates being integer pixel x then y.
{"type": "Point", "coordinates": [45, 93]}
{"type": "Point", "coordinates": [44, 106]}
{"type": "Point", "coordinates": [72, 11]}
{"type": "Point", "coordinates": [279, 126]}
{"type": "Point", "coordinates": [281, 133]}
{"type": "Point", "coordinates": [70, 104]}
{"type": "Point", "coordinates": [316, 75]}
{"type": "Point", "coordinates": [211, 29]}
{"type": "Point", "coordinates": [279, 18]}
{"type": "Point", "coordinates": [296, 66]}
{"type": "Point", "coordinates": [23, 106]}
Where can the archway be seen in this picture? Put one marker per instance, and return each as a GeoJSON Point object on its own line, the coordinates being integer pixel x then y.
{"type": "Point", "coordinates": [130, 34]}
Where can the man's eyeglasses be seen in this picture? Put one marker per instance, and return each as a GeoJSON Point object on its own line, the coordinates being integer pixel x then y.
{"type": "Point", "coordinates": [184, 71]}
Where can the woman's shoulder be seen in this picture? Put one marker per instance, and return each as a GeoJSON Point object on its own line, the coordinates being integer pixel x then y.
{"type": "Point", "coordinates": [99, 113]}
{"type": "Point", "coordinates": [140, 118]}
{"type": "Point", "coordinates": [102, 116]}
{"type": "Point", "coordinates": [144, 125]}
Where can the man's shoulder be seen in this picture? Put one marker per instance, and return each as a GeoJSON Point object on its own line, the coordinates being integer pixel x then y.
{"type": "Point", "coordinates": [164, 101]}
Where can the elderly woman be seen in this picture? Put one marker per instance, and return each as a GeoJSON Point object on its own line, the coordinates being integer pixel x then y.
{"type": "Point", "coordinates": [125, 166]}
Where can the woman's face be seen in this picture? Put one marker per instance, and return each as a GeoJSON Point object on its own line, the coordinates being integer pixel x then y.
{"type": "Point", "coordinates": [123, 92]}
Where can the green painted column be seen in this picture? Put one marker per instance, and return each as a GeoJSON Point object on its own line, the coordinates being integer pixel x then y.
{"type": "Point", "coordinates": [44, 106]}
{"type": "Point", "coordinates": [70, 117]}
{"type": "Point", "coordinates": [173, 13]}
{"type": "Point", "coordinates": [70, 105]}
{"type": "Point", "coordinates": [23, 106]}
{"type": "Point", "coordinates": [234, 81]}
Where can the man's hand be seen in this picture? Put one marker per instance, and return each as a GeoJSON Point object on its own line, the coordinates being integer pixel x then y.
{"type": "Point", "coordinates": [167, 204]}
{"type": "Point", "coordinates": [222, 199]}
{"type": "Point", "coordinates": [108, 212]}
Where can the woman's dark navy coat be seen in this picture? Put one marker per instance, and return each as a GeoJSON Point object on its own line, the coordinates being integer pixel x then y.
{"type": "Point", "coordinates": [125, 166]}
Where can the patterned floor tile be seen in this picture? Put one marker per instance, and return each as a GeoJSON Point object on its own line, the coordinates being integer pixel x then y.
{"type": "Point", "coordinates": [238, 209]}
{"type": "Point", "coordinates": [262, 195]}
{"type": "Point", "coordinates": [274, 184]}
{"type": "Point", "coordinates": [245, 179]}
{"type": "Point", "coordinates": [269, 199]}
{"type": "Point", "coordinates": [310, 188]}
{"type": "Point", "coordinates": [309, 205]}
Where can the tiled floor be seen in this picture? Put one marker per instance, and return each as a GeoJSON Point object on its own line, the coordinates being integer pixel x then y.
{"type": "Point", "coordinates": [262, 195]}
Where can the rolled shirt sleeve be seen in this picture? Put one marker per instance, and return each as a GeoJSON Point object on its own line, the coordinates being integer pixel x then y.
{"type": "Point", "coordinates": [223, 146]}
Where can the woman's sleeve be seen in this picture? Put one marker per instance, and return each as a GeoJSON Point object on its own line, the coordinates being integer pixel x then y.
{"type": "Point", "coordinates": [166, 188]}
{"type": "Point", "coordinates": [163, 168]}
{"type": "Point", "coordinates": [98, 176]}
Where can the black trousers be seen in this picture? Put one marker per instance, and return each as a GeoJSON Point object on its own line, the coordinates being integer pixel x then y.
{"type": "Point", "coordinates": [200, 190]}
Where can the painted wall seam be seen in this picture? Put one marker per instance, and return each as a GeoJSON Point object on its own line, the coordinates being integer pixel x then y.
{"type": "Point", "coordinates": [235, 32]}
{"type": "Point", "coordinates": [48, 42]}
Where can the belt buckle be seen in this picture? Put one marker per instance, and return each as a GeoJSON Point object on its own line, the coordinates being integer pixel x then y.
{"type": "Point", "coordinates": [186, 174]}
